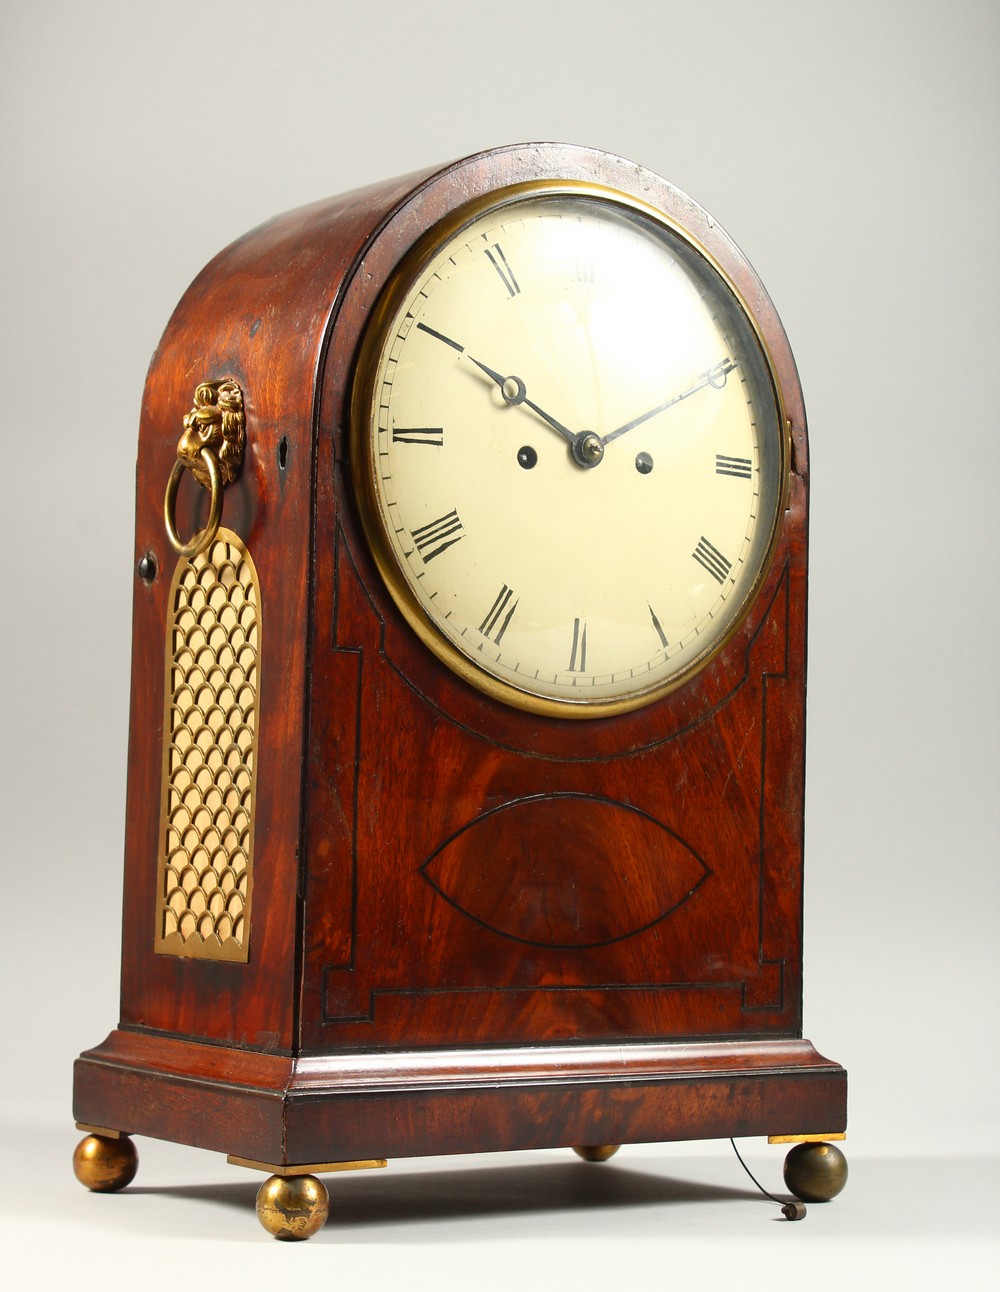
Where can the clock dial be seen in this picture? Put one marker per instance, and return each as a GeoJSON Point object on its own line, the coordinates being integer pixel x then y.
{"type": "Point", "coordinates": [570, 452]}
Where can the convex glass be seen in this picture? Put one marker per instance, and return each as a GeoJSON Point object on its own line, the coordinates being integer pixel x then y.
{"type": "Point", "coordinates": [570, 450]}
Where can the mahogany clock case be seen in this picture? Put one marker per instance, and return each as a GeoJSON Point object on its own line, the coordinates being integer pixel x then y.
{"type": "Point", "coordinates": [471, 927]}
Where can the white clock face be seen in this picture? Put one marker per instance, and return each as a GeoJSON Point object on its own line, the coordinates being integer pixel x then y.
{"type": "Point", "coordinates": [572, 456]}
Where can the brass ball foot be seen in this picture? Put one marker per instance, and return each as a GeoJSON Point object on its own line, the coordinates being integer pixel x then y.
{"type": "Point", "coordinates": [596, 1152]}
{"type": "Point", "coordinates": [292, 1207]}
{"type": "Point", "coordinates": [815, 1172]}
{"type": "Point", "coordinates": [104, 1164]}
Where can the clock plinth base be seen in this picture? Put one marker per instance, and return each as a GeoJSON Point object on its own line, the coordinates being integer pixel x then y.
{"type": "Point", "coordinates": [367, 1106]}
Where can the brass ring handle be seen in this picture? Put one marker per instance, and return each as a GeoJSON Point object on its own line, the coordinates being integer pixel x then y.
{"type": "Point", "coordinates": [211, 448]}
{"type": "Point", "coordinates": [202, 538]}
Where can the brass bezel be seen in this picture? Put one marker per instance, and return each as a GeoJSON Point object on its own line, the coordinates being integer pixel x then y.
{"type": "Point", "coordinates": [362, 457]}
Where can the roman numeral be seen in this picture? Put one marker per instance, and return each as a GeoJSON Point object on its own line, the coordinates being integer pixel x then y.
{"type": "Point", "coordinates": [499, 262]}
{"type": "Point", "coordinates": [438, 535]}
{"type": "Point", "coordinates": [656, 624]}
{"type": "Point", "coordinates": [578, 653]}
{"type": "Point", "coordinates": [727, 466]}
{"type": "Point", "coordinates": [712, 559]}
{"type": "Point", "coordinates": [501, 612]}
{"type": "Point", "coordinates": [418, 435]}
{"type": "Point", "coordinates": [585, 271]}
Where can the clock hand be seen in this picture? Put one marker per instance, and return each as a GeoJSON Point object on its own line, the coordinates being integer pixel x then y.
{"type": "Point", "coordinates": [514, 392]}
{"type": "Point", "coordinates": [715, 377]}
{"type": "Point", "coordinates": [512, 388]}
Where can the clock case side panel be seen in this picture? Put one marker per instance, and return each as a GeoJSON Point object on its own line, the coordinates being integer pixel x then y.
{"type": "Point", "coordinates": [257, 313]}
{"type": "Point", "coordinates": [368, 652]}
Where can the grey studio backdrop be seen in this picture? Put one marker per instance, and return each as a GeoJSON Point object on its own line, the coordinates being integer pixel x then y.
{"type": "Point", "coordinates": [850, 149]}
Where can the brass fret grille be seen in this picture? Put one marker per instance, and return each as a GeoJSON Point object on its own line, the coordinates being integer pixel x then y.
{"type": "Point", "coordinates": [205, 873]}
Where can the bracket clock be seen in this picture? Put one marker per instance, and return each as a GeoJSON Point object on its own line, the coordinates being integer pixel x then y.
{"type": "Point", "coordinates": [466, 751]}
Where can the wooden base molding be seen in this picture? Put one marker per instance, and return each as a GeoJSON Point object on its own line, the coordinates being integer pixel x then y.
{"type": "Point", "coordinates": [360, 1107]}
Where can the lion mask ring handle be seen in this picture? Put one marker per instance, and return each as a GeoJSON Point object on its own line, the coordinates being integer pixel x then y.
{"type": "Point", "coordinates": [211, 448]}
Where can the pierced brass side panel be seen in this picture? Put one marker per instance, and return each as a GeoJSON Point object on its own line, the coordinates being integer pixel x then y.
{"type": "Point", "coordinates": [205, 870]}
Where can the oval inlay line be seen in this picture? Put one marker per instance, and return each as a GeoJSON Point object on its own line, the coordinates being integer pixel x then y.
{"type": "Point", "coordinates": [565, 870]}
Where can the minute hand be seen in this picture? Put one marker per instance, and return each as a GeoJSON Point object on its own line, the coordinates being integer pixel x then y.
{"type": "Point", "coordinates": [714, 377]}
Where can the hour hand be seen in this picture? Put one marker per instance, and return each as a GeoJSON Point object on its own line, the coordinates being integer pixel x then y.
{"type": "Point", "coordinates": [512, 388]}
{"type": "Point", "coordinates": [514, 392]}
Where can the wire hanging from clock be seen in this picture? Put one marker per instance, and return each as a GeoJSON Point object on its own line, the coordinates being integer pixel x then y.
{"type": "Point", "coordinates": [791, 1210]}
